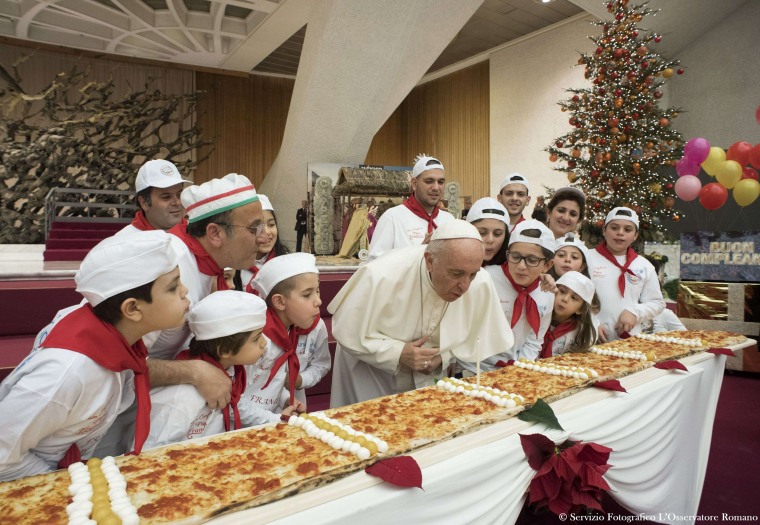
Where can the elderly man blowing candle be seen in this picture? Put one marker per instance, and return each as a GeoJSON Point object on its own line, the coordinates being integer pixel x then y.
{"type": "Point", "coordinates": [401, 320]}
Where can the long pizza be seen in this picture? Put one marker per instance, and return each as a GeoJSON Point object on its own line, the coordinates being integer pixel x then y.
{"type": "Point", "coordinates": [193, 481]}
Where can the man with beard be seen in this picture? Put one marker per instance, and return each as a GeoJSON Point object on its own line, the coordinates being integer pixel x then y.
{"type": "Point", "coordinates": [412, 222]}
{"type": "Point", "coordinates": [158, 186]}
{"type": "Point", "coordinates": [514, 195]}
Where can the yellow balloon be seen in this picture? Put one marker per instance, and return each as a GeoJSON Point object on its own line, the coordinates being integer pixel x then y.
{"type": "Point", "coordinates": [729, 173]}
{"type": "Point", "coordinates": [746, 192]}
{"type": "Point", "coordinates": [714, 159]}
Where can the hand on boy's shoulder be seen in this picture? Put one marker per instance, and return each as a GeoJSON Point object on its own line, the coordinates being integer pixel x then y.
{"type": "Point", "coordinates": [213, 384]}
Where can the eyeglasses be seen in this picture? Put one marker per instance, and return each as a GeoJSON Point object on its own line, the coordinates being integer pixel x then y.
{"type": "Point", "coordinates": [530, 260]}
{"type": "Point", "coordinates": [255, 230]}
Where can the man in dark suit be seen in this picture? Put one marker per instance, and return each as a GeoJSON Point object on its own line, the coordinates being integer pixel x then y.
{"type": "Point", "coordinates": [301, 218]}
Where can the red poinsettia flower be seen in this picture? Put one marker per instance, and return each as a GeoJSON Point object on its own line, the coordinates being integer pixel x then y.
{"type": "Point", "coordinates": [569, 477]}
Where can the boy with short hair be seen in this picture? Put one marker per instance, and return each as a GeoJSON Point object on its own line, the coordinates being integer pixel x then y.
{"type": "Point", "coordinates": [296, 332]}
{"type": "Point", "coordinates": [59, 402]}
{"type": "Point", "coordinates": [626, 283]}
{"type": "Point", "coordinates": [514, 195]}
{"type": "Point", "coordinates": [528, 309]}
{"type": "Point", "coordinates": [228, 331]}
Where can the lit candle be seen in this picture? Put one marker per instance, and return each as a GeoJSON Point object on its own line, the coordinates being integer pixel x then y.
{"type": "Point", "coordinates": [477, 356]}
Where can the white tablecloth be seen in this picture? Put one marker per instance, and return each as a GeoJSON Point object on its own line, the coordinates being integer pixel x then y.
{"type": "Point", "coordinates": [659, 431]}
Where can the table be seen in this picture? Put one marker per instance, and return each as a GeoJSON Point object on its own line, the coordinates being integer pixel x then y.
{"type": "Point", "coordinates": [660, 433]}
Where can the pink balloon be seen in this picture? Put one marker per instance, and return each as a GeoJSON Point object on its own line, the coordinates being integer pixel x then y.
{"type": "Point", "coordinates": [686, 167]}
{"type": "Point", "coordinates": [696, 150]}
{"type": "Point", "coordinates": [688, 187]}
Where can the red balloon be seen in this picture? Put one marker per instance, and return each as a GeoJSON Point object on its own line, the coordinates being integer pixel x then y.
{"type": "Point", "coordinates": [749, 173]}
{"type": "Point", "coordinates": [739, 151]}
{"type": "Point", "coordinates": [754, 156]}
{"type": "Point", "coordinates": [757, 114]}
{"type": "Point", "coordinates": [713, 196]}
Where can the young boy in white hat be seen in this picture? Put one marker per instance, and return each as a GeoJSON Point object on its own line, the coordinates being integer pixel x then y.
{"type": "Point", "coordinates": [158, 186]}
{"type": "Point", "coordinates": [228, 331]}
{"type": "Point", "coordinates": [492, 221]}
{"type": "Point", "coordinates": [299, 356]}
{"type": "Point", "coordinates": [514, 194]}
{"type": "Point", "coordinates": [411, 222]}
{"type": "Point", "coordinates": [90, 365]}
{"type": "Point", "coordinates": [572, 327]}
{"type": "Point", "coordinates": [626, 283]}
{"type": "Point", "coordinates": [527, 308]}
{"type": "Point", "coordinates": [224, 217]}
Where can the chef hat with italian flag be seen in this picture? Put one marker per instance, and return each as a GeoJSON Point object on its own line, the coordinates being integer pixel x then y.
{"type": "Point", "coordinates": [217, 196]}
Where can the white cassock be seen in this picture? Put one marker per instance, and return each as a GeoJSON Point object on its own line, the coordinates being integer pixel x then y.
{"type": "Point", "coordinates": [643, 296]}
{"type": "Point", "coordinates": [390, 302]}
{"type": "Point", "coordinates": [398, 227]}
{"type": "Point", "coordinates": [54, 398]}
{"type": "Point", "coordinates": [313, 359]}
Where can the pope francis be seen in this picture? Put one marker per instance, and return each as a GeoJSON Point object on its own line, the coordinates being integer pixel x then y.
{"type": "Point", "coordinates": [401, 319]}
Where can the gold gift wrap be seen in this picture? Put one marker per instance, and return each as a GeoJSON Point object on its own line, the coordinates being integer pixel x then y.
{"type": "Point", "coordinates": [708, 300]}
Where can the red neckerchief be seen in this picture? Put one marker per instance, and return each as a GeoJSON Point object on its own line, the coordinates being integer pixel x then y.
{"type": "Point", "coordinates": [288, 341]}
{"type": "Point", "coordinates": [416, 208]}
{"type": "Point", "coordinates": [518, 222]}
{"type": "Point", "coordinates": [141, 223]}
{"type": "Point", "coordinates": [238, 385]}
{"type": "Point", "coordinates": [552, 335]}
{"type": "Point", "coordinates": [255, 270]}
{"type": "Point", "coordinates": [523, 299]}
{"type": "Point", "coordinates": [206, 264]}
{"type": "Point", "coordinates": [81, 331]}
{"type": "Point", "coordinates": [630, 256]}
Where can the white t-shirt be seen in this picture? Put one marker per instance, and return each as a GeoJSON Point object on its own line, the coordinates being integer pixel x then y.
{"type": "Point", "coordinates": [643, 296]}
{"type": "Point", "coordinates": [313, 358]}
{"type": "Point", "coordinates": [398, 227]}
{"type": "Point", "coordinates": [55, 398]}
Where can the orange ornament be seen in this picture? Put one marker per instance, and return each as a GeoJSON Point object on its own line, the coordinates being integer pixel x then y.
{"type": "Point", "coordinates": [553, 157]}
{"type": "Point", "coordinates": [664, 122]}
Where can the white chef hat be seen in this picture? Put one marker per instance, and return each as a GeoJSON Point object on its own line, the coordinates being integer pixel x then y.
{"type": "Point", "coordinates": [622, 213]}
{"type": "Point", "coordinates": [124, 262]}
{"type": "Point", "coordinates": [456, 229]}
{"type": "Point", "coordinates": [266, 205]}
{"type": "Point", "coordinates": [515, 178]}
{"type": "Point", "coordinates": [570, 239]}
{"type": "Point", "coordinates": [488, 208]}
{"type": "Point", "coordinates": [580, 284]}
{"type": "Point", "coordinates": [424, 163]}
{"type": "Point", "coordinates": [158, 174]}
{"type": "Point", "coordinates": [217, 196]}
{"type": "Point", "coordinates": [227, 312]}
{"type": "Point", "coordinates": [545, 237]}
{"type": "Point", "coordinates": [281, 268]}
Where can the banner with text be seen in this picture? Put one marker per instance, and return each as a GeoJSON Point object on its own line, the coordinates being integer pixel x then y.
{"type": "Point", "coordinates": [721, 256]}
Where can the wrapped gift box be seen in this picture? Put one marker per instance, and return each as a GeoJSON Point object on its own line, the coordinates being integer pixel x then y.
{"type": "Point", "coordinates": [734, 307]}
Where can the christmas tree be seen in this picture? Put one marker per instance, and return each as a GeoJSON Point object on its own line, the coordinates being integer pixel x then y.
{"type": "Point", "coordinates": [621, 139]}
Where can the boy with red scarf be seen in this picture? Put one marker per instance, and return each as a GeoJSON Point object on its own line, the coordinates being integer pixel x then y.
{"type": "Point", "coordinates": [299, 356]}
{"type": "Point", "coordinates": [518, 283]}
{"type": "Point", "coordinates": [413, 221]}
{"type": "Point", "coordinates": [90, 365]}
{"type": "Point", "coordinates": [228, 331]}
{"type": "Point", "coordinates": [626, 283]}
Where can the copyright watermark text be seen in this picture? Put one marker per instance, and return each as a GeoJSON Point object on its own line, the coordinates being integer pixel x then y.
{"type": "Point", "coordinates": [658, 516]}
